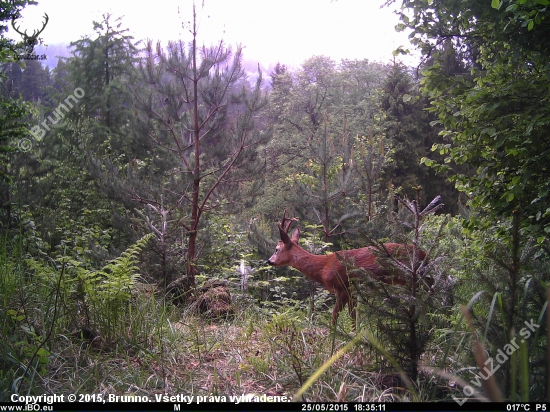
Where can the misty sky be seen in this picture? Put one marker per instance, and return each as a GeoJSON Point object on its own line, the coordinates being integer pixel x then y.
{"type": "Point", "coordinates": [286, 31]}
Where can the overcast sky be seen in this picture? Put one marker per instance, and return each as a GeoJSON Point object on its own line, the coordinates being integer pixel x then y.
{"type": "Point", "coordinates": [286, 31]}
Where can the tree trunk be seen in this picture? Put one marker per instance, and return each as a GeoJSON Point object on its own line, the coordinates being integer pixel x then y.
{"type": "Point", "coordinates": [195, 211]}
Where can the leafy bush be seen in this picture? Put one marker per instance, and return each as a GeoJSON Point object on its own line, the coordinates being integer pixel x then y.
{"type": "Point", "coordinates": [40, 302]}
{"type": "Point", "coordinates": [104, 295]}
{"type": "Point", "coordinates": [27, 313]}
{"type": "Point", "coordinates": [506, 284]}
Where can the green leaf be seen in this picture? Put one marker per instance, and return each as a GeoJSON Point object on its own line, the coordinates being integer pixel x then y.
{"type": "Point", "coordinates": [400, 27]}
{"type": "Point", "coordinates": [495, 4]}
{"type": "Point", "coordinates": [426, 161]}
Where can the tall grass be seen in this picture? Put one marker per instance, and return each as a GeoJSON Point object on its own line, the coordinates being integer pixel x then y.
{"type": "Point", "coordinates": [59, 322]}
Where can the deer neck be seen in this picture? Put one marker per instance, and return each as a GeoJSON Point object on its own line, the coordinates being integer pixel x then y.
{"type": "Point", "coordinates": [308, 263]}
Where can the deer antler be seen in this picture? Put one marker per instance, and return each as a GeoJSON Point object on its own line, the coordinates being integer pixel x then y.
{"type": "Point", "coordinates": [31, 40]}
{"type": "Point", "coordinates": [285, 219]}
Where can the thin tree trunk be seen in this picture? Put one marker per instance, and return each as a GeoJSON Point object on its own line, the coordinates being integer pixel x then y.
{"type": "Point", "coordinates": [195, 212]}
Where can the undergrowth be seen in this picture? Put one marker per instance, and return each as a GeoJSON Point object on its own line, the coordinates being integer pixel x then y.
{"type": "Point", "coordinates": [66, 328]}
{"type": "Point", "coordinates": [72, 330]}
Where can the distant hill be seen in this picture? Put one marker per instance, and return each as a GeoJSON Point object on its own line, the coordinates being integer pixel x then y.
{"type": "Point", "coordinates": [251, 69]}
{"type": "Point", "coordinates": [53, 52]}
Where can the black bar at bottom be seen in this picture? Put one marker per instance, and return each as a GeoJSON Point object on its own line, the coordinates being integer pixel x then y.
{"type": "Point", "coordinates": [283, 407]}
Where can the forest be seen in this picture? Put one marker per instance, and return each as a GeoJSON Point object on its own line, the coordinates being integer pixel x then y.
{"type": "Point", "coordinates": [142, 186]}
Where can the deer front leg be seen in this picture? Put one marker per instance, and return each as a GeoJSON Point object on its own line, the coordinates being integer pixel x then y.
{"type": "Point", "coordinates": [341, 299]}
{"type": "Point", "coordinates": [352, 305]}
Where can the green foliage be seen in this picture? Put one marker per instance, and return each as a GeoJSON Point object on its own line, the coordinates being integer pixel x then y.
{"type": "Point", "coordinates": [494, 115]}
{"type": "Point", "coordinates": [57, 178]}
{"type": "Point", "coordinates": [104, 294]}
{"type": "Point", "coordinates": [336, 141]}
{"type": "Point", "coordinates": [495, 118]}
{"type": "Point", "coordinates": [210, 156]}
{"type": "Point", "coordinates": [43, 325]}
{"type": "Point", "coordinates": [14, 128]}
{"type": "Point", "coordinates": [104, 67]}
{"type": "Point", "coordinates": [404, 313]}
{"type": "Point", "coordinates": [25, 325]}
{"type": "Point", "coordinates": [372, 156]}
{"type": "Point", "coordinates": [65, 206]}
{"type": "Point", "coordinates": [406, 126]}
{"type": "Point", "coordinates": [13, 115]}
{"type": "Point", "coordinates": [514, 281]}
{"type": "Point", "coordinates": [29, 80]}
{"type": "Point", "coordinates": [316, 112]}
{"type": "Point", "coordinates": [225, 245]}
{"type": "Point", "coordinates": [286, 332]}
{"type": "Point", "coordinates": [115, 280]}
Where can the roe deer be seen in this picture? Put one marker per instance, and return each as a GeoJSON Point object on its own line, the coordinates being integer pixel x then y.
{"type": "Point", "coordinates": [331, 272]}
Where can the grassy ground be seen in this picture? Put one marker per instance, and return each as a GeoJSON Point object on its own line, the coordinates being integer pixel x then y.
{"type": "Point", "coordinates": [252, 353]}
{"type": "Point", "coordinates": [163, 350]}
{"type": "Point", "coordinates": [69, 330]}
{"type": "Point", "coordinates": [65, 329]}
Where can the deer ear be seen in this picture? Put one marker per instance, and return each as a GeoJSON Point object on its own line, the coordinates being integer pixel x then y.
{"type": "Point", "coordinates": [284, 236]}
{"type": "Point", "coordinates": [296, 235]}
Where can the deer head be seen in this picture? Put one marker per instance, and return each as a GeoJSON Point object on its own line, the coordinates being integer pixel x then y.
{"type": "Point", "coordinates": [280, 257]}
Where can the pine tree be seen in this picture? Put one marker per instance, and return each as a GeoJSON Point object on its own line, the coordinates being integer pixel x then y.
{"type": "Point", "coordinates": [318, 114]}
{"type": "Point", "coordinates": [71, 203]}
{"type": "Point", "coordinates": [186, 112]}
{"type": "Point", "coordinates": [103, 67]}
{"type": "Point", "coordinates": [13, 112]}
{"type": "Point", "coordinates": [406, 123]}
{"type": "Point", "coordinates": [35, 80]}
